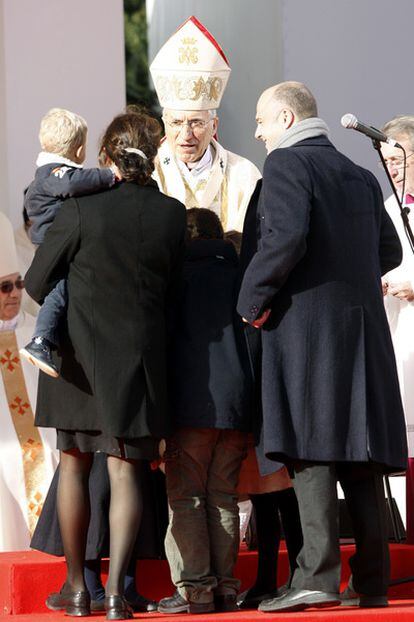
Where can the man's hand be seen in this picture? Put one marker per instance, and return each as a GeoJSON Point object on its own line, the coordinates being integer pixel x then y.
{"type": "Point", "coordinates": [403, 291]}
{"type": "Point", "coordinates": [260, 320]}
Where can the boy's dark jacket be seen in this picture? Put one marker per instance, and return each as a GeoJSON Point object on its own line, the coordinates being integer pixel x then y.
{"type": "Point", "coordinates": [52, 184]}
{"type": "Point", "coordinates": [210, 381]}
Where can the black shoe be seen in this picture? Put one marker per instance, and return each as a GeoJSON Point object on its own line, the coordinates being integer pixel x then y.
{"type": "Point", "coordinates": [225, 602]}
{"type": "Point", "coordinates": [38, 353]}
{"type": "Point", "coordinates": [57, 601]}
{"type": "Point", "coordinates": [178, 604]}
{"type": "Point", "coordinates": [372, 601]}
{"type": "Point", "coordinates": [117, 608]}
{"type": "Point", "coordinates": [349, 598]}
{"type": "Point", "coordinates": [297, 600]}
{"type": "Point", "coordinates": [78, 604]}
{"type": "Point", "coordinates": [250, 600]}
{"type": "Point", "coordinates": [140, 604]}
{"type": "Point", "coordinates": [98, 605]}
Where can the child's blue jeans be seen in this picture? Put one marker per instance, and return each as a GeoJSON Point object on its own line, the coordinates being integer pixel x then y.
{"type": "Point", "coordinates": [52, 309]}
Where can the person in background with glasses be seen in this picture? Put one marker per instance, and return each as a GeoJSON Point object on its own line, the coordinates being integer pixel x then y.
{"type": "Point", "coordinates": [190, 73]}
{"type": "Point", "coordinates": [27, 457]}
{"type": "Point", "coordinates": [398, 284]}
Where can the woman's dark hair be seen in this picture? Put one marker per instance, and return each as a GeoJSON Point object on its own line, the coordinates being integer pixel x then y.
{"type": "Point", "coordinates": [133, 129]}
{"type": "Point", "coordinates": [203, 224]}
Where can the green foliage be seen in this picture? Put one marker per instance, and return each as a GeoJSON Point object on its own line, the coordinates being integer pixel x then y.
{"type": "Point", "coordinates": [136, 55]}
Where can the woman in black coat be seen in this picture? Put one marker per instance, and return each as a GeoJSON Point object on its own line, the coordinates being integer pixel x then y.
{"type": "Point", "coordinates": [120, 251]}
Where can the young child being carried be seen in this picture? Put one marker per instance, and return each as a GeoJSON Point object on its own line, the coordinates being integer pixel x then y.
{"type": "Point", "coordinates": [59, 176]}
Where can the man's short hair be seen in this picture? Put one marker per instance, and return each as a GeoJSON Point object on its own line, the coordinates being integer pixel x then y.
{"type": "Point", "coordinates": [400, 126]}
{"type": "Point", "coordinates": [298, 98]}
{"type": "Point", "coordinates": [62, 132]}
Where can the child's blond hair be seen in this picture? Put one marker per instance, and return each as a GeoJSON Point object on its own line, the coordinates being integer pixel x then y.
{"type": "Point", "coordinates": [62, 132]}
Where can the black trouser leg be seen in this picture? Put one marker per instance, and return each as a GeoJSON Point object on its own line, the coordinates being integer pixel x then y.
{"type": "Point", "coordinates": [319, 561]}
{"type": "Point", "coordinates": [268, 541]}
{"type": "Point", "coordinates": [289, 514]}
{"type": "Point", "coordinates": [364, 494]}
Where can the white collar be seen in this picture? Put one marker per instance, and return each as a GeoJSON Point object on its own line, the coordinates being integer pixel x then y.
{"type": "Point", "coordinates": [199, 167]}
{"type": "Point", "coordinates": [45, 157]}
{"type": "Point", "coordinates": [8, 325]}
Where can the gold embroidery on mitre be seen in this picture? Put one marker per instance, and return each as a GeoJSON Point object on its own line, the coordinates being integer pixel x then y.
{"type": "Point", "coordinates": [190, 88]}
{"type": "Point", "coordinates": [33, 455]}
{"type": "Point", "coordinates": [189, 53]}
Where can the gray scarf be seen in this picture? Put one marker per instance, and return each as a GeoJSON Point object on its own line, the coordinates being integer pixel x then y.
{"type": "Point", "coordinates": [308, 128]}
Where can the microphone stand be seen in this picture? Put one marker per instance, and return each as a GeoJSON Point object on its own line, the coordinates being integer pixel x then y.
{"type": "Point", "coordinates": [404, 211]}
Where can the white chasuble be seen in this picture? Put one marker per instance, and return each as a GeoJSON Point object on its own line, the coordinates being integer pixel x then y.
{"type": "Point", "coordinates": [28, 457]}
{"type": "Point", "coordinates": [400, 315]}
{"type": "Point", "coordinates": [225, 186]}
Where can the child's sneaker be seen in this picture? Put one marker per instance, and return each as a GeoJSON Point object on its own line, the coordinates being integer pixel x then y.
{"type": "Point", "coordinates": [38, 353]}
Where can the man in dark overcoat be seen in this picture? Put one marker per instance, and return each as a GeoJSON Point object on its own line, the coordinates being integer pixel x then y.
{"type": "Point", "coordinates": [331, 401]}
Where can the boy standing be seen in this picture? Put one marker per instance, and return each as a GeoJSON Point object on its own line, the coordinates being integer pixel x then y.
{"type": "Point", "coordinates": [211, 398]}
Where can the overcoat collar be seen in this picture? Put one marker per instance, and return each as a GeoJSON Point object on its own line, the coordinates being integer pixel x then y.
{"type": "Point", "coordinates": [316, 141]}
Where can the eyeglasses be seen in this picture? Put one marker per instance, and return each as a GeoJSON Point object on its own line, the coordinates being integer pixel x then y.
{"type": "Point", "coordinates": [6, 287]}
{"type": "Point", "coordinates": [396, 163]}
{"type": "Point", "coordinates": [193, 124]}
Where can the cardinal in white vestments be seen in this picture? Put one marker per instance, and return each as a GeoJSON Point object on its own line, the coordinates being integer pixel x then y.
{"type": "Point", "coordinates": [28, 456]}
{"type": "Point", "coordinates": [398, 285]}
{"type": "Point", "coordinates": [190, 73]}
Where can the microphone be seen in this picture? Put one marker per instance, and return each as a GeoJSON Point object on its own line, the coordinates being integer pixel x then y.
{"type": "Point", "coordinates": [350, 121]}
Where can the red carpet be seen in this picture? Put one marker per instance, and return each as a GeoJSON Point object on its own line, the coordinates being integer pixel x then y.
{"type": "Point", "coordinates": [26, 579]}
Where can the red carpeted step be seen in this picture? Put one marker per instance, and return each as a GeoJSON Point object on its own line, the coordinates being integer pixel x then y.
{"type": "Point", "coordinates": [399, 611]}
{"type": "Point", "coordinates": [27, 578]}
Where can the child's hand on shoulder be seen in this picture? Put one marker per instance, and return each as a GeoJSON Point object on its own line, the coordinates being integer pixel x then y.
{"type": "Point", "coordinates": [116, 172]}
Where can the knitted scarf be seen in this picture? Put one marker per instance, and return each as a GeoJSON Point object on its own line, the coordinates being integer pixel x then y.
{"type": "Point", "coordinates": [308, 128]}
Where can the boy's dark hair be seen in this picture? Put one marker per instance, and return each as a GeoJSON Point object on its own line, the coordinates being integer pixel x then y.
{"type": "Point", "coordinates": [203, 224]}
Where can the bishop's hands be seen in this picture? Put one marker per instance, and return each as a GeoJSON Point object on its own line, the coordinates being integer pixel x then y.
{"type": "Point", "coordinates": [402, 291]}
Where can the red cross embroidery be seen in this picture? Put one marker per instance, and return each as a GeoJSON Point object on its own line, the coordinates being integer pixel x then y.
{"type": "Point", "coordinates": [19, 405]}
{"type": "Point", "coordinates": [10, 362]}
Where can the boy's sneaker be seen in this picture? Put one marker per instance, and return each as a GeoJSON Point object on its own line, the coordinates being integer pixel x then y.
{"type": "Point", "coordinates": [38, 353]}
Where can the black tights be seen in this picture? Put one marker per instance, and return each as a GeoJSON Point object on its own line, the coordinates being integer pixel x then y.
{"type": "Point", "coordinates": [267, 508]}
{"type": "Point", "coordinates": [74, 512]}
